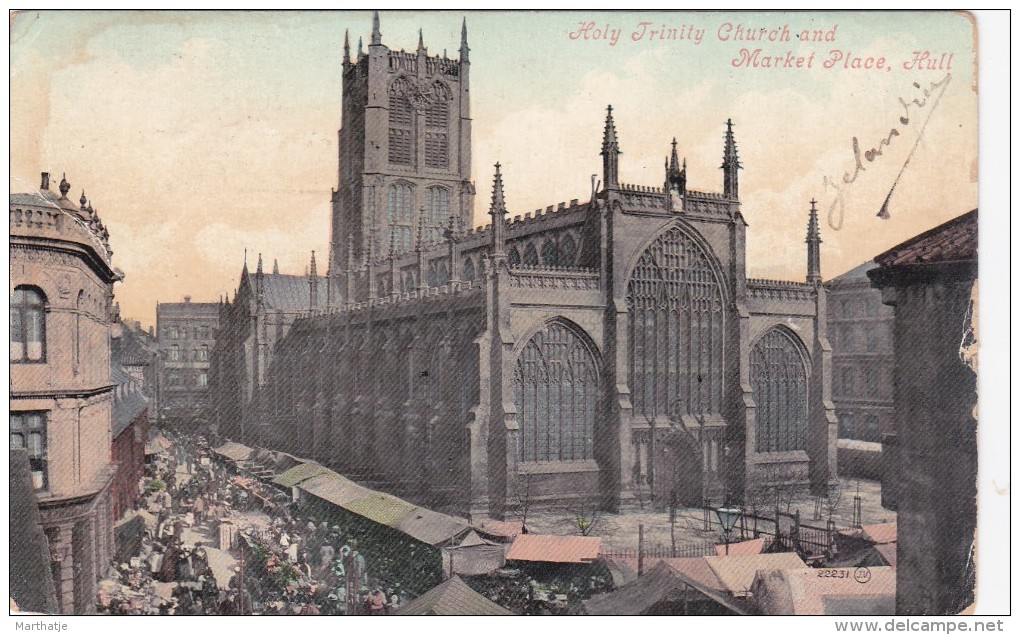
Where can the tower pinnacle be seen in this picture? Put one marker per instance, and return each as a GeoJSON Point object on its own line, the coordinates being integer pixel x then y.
{"type": "Point", "coordinates": [498, 212]}
{"type": "Point", "coordinates": [463, 41]}
{"type": "Point", "coordinates": [731, 163]}
{"type": "Point", "coordinates": [347, 48]}
{"type": "Point", "coordinates": [376, 34]}
{"type": "Point", "coordinates": [814, 240]}
{"type": "Point", "coordinates": [610, 153]}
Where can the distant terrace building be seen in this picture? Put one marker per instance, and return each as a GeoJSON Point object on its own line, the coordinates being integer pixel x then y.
{"type": "Point", "coordinates": [61, 393]}
{"type": "Point", "coordinates": [186, 332]}
{"type": "Point", "coordinates": [860, 331]}
{"type": "Point", "coordinates": [587, 349]}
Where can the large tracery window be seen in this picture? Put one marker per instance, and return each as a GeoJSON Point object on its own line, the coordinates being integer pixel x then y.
{"type": "Point", "coordinates": [676, 330]}
{"type": "Point", "coordinates": [399, 204]}
{"type": "Point", "coordinates": [401, 129]}
{"type": "Point", "coordinates": [437, 213]}
{"type": "Point", "coordinates": [779, 385]}
{"type": "Point", "coordinates": [28, 325]}
{"type": "Point", "coordinates": [555, 387]}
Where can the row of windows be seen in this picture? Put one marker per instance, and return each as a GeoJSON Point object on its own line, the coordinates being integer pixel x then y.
{"type": "Point", "coordinates": [183, 380]}
{"type": "Point", "coordinates": [175, 332]}
{"type": "Point", "coordinates": [553, 252]}
{"type": "Point", "coordinates": [858, 382]}
{"type": "Point", "coordinates": [200, 354]}
{"type": "Point", "coordinates": [851, 338]}
{"type": "Point", "coordinates": [28, 430]}
{"type": "Point", "coordinates": [857, 307]}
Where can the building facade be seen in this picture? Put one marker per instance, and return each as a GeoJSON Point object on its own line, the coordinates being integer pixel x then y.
{"type": "Point", "coordinates": [61, 403]}
{"type": "Point", "coordinates": [186, 335]}
{"type": "Point", "coordinates": [931, 453]}
{"type": "Point", "coordinates": [861, 334]}
{"type": "Point", "coordinates": [588, 349]}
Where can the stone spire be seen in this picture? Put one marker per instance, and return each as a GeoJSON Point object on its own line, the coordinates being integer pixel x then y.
{"type": "Point", "coordinates": [610, 154]}
{"type": "Point", "coordinates": [463, 41]}
{"type": "Point", "coordinates": [313, 286]}
{"type": "Point", "coordinates": [421, 43]}
{"type": "Point", "coordinates": [347, 49]}
{"type": "Point", "coordinates": [258, 269]}
{"type": "Point", "coordinates": [360, 48]}
{"type": "Point", "coordinates": [276, 266]}
{"type": "Point", "coordinates": [814, 240]}
{"type": "Point", "coordinates": [730, 165]}
{"type": "Point", "coordinates": [498, 212]}
{"type": "Point", "coordinates": [376, 34]}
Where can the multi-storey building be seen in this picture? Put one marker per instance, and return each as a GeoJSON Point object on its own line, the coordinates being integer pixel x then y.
{"type": "Point", "coordinates": [585, 350]}
{"type": "Point", "coordinates": [860, 330]}
{"type": "Point", "coordinates": [186, 335]}
{"type": "Point", "coordinates": [61, 404]}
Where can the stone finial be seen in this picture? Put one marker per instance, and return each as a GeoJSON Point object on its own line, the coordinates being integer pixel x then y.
{"type": "Point", "coordinates": [82, 201]}
{"type": "Point", "coordinates": [65, 187]}
{"type": "Point", "coordinates": [814, 241]}
{"type": "Point", "coordinates": [376, 33]}
{"type": "Point", "coordinates": [731, 163]}
{"type": "Point", "coordinates": [610, 153]}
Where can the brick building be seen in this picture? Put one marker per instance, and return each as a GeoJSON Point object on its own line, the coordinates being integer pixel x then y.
{"type": "Point", "coordinates": [186, 335]}
{"type": "Point", "coordinates": [62, 396]}
{"type": "Point", "coordinates": [589, 348]}
{"type": "Point", "coordinates": [931, 453]}
{"type": "Point", "coordinates": [860, 331]}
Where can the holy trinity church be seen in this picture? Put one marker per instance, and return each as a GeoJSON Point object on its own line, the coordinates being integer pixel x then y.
{"type": "Point", "coordinates": [601, 347]}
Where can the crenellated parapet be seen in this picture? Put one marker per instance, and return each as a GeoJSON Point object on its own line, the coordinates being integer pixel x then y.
{"type": "Point", "coordinates": [566, 278]}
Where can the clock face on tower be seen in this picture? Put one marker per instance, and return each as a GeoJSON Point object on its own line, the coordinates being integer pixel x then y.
{"type": "Point", "coordinates": [420, 94]}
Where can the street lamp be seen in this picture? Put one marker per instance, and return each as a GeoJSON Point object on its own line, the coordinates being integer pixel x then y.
{"type": "Point", "coordinates": [727, 518]}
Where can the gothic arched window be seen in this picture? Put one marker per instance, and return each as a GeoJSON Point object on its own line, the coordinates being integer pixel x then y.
{"type": "Point", "coordinates": [28, 325]}
{"type": "Point", "coordinates": [676, 329]}
{"type": "Point", "coordinates": [530, 255]}
{"type": "Point", "coordinates": [437, 123]}
{"type": "Point", "coordinates": [555, 386]}
{"type": "Point", "coordinates": [402, 120]}
{"type": "Point", "coordinates": [469, 270]}
{"type": "Point", "coordinates": [568, 251]}
{"type": "Point", "coordinates": [399, 205]}
{"type": "Point", "coordinates": [779, 385]}
{"type": "Point", "coordinates": [550, 255]}
{"type": "Point", "coordinates": [514, 257]}
{"type": "Point", "coordinates": [437, 212]}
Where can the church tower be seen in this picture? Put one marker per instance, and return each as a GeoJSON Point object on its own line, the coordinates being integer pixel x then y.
{"type": "Point", "coordinates": [405, 147]}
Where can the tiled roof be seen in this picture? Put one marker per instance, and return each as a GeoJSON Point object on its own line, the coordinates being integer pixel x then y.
{"type": "Point", "coordinates": [745, 548]}
{"type": "Point", "coordinates": [954, 241]}
{"type": "Point", "coordinates": [453, 597]}
{"type": "Point", "coordinates": [879, 534]}
{"type": "Point", "coordinates": [290, 293]}
{"type": "Point", "coordinates": [562, 549]}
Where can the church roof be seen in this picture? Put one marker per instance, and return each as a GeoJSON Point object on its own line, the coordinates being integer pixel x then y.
{"type": "Point", "coordinates": [857, 274]}
{"type": "Point", "coordinates": [282, 292]}
{"type": "Point", "coordinates": [954, 241]}
{"type": "Point", "coordinates": [453, 597]}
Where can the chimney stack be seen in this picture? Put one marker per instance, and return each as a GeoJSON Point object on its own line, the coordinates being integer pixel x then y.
{"type": "Point", "coordinates": [45, 181]}
{"type": "Point", "coordinates": [187, 299]}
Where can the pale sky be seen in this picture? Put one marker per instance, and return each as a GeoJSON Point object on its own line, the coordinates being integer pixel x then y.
{"type": "Point", "coordinates": [198, 135]}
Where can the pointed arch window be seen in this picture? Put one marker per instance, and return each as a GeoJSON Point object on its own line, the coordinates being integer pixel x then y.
{"type": "Point", "coordinates": [437, 212]}
{"type": "Point", "coordinates": [555, 384]}
{"type": "Point", "coordinates": [469, 270]}
{"type": "Point", "coordinates": [399, 206]}
{"type": "Point", "coordinates": [676, 332]}
{"type": "Point", "coordinates": [514, 257]}
{"type": "Point", "coordinates": [550, 254]}
{"type": "Point", "coordinates": [437, 125]}
{"type": "Point", "coordinates": [779, 386]}
{"type": "Point", "coordinates": [568, 251]}
{"type": "Point", "coordinates": [28, 325]}
{"type": "Point", "coordinates": [530, 256]}
{"type": "Point", "coordinates": [401, 124]}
